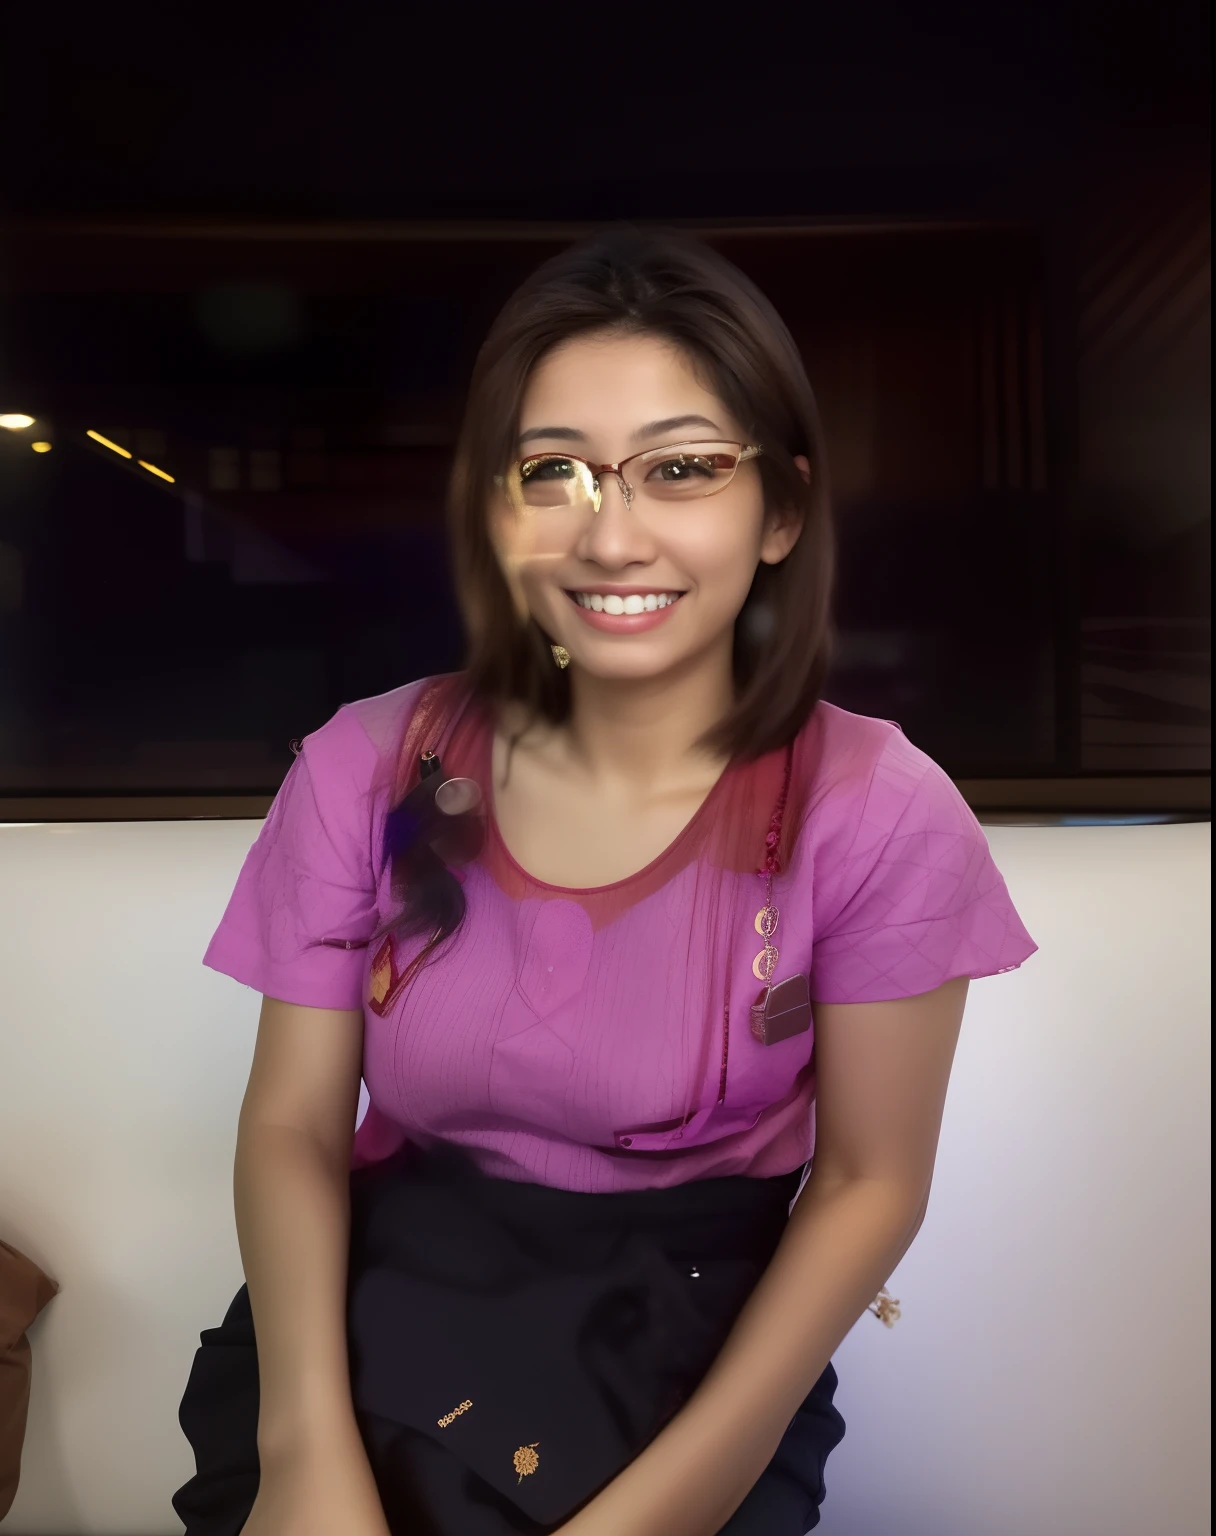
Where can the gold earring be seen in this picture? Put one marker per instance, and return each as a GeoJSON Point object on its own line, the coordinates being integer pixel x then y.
{"type": "Point", "coordinates": [561, 655]}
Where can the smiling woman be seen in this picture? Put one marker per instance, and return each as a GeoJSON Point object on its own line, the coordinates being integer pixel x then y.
{"type": "Point", "coordinates": [620, 926]}
{"type": "Point", "coordinates": [679, 379]}
{"type": "Point", "coordinates": [663, 542]}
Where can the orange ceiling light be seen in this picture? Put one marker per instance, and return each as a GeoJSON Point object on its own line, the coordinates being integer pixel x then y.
{"type": "Point", "coordinates": [106, 443]}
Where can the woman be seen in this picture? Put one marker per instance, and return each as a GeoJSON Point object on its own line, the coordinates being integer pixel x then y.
{"type": "Point", "coordinates": [570, 913]}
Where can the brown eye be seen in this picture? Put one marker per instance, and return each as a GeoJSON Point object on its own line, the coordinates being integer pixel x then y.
{"type": "Point", "coordinates": [682, 468]}
{"type": "Point", "coordinates": [551, 480]}
{"type": "Point", "coordinates": [536, 471]}
{"type": "Point", "coordinates": [674, 475]}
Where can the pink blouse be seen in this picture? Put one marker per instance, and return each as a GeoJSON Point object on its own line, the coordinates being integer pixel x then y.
{"type": "Point", "coordinates": [599, 1040]}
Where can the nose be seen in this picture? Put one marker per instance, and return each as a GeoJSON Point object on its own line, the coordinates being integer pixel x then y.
{"type": "Point", "coordinates": [615, 536]}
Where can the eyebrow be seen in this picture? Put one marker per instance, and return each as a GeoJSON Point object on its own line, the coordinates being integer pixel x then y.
{"type": "Point", "coordinates": [671, 423]}
{"type": "Point", "coordinates": [566, 434]}
{"type": "Point", "coordinates": [651, 429]}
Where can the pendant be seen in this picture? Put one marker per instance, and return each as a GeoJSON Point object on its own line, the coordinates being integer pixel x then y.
{"type": "Point", "coordinates": [764, 966]}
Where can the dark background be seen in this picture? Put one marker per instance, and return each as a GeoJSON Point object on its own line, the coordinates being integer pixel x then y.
{"type": "Point", "coordinates": [260, 253]}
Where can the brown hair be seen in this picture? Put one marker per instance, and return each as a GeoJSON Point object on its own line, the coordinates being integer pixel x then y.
{"type": "Point", "coordinates": [676, 288]}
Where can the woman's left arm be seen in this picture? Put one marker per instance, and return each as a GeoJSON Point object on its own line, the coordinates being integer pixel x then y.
{"type": "Point", "coordinates": [882, 1072]}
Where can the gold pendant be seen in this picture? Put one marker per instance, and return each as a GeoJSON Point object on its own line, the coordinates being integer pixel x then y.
{"type": "Point", "coordinates": [764, 966]}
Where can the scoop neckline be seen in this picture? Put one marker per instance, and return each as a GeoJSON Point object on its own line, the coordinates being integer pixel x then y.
{"type": "Point", "coordinates": [491, 817]}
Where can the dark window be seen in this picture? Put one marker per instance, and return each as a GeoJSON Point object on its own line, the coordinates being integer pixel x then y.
{"type": "Point", "coordinates": [238, 522]}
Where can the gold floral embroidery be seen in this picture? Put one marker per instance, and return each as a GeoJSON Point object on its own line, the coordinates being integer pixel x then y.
{"type": "Point", "coordinates": [448, 1418]}
{"type": "Point", "coordinates": [885, 1308]}
{"type": "Point", "coordinates": [526, 1460]}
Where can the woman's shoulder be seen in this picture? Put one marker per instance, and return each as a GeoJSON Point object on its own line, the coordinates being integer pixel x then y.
{"type": "Point", "coordinates": [364, 736]}
{"type": "Point", "coordinates": [905, 891]}
{"type": "Point", "coordinates": [855, 767]}
{"type": "Point", "coordinates": [839, 748]}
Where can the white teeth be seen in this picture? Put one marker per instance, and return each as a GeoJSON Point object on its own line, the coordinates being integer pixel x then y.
{"type": "Point", "coordinates": [636, 602]}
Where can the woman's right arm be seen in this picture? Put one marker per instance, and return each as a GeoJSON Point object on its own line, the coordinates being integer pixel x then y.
{"type": "Point", "coordinates": [291, 1187]}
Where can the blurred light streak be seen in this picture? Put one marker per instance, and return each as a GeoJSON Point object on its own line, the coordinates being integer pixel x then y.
{"type": "Point", "coordinates": [16, 421]}
{"type": "Point", "coordinates": [152, 470]}
{"type": "Point", "coordinates": [106, 443]}
{"type": "Point", "coordinates": [41, 447]}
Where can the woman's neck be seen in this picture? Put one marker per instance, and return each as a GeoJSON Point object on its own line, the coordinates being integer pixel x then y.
{"type": "Point", "coordinates": [648, 730]}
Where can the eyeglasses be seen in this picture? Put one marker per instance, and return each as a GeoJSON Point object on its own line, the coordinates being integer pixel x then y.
{"type": "Point", "coordinates": [680, 472]}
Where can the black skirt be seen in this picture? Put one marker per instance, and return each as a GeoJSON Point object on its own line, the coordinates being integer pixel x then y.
{"type": "Point", "coordinates": [514, 1346]}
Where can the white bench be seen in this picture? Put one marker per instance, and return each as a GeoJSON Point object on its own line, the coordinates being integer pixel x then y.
{"type": "Point", "coordinates": [1049, 1375]}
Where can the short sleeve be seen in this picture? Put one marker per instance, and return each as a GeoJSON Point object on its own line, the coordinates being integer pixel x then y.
{"type": "Point", "coordinates": [304, 907]}
{"type": "Point", "coordinates": [917, 899]}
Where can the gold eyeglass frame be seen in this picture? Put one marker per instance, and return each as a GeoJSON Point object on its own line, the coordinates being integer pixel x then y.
{"type": "Point", "coordinates": [512, 481]}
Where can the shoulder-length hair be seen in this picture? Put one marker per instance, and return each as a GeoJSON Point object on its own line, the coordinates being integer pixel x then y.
{"type": "Point", "coordinates": [672, 287]}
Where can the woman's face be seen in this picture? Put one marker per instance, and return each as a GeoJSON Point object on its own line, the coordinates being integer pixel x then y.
{"type": "Point", "coordinates": [690, 562]}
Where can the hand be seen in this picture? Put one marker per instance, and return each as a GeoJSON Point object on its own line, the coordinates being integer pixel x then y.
{"type": "Point", "coordinates": [303, 1493]}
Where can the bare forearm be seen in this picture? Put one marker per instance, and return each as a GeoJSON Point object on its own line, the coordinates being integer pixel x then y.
{"type": "Point", "coordinates": [839, 1248]}
{"type": "Point", "coordinates": [293, 1223]}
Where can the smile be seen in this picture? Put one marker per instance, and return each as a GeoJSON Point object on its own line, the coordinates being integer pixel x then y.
{"type": "Point", "coordinates": [636, 602]}
{"type": "Point", "coordinates": [624, 613]}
